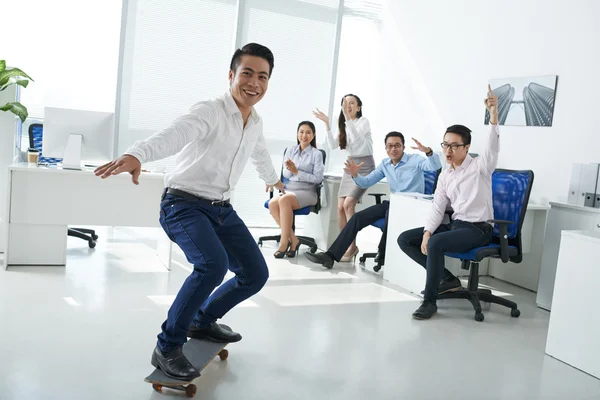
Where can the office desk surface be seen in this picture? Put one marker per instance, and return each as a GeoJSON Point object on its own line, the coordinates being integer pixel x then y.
{"type": "Point", "coordinates": [87, 170]}
{"type": "Point", "coordinates": [54, 196]}
{"type": "Point", "coordinates": [43, 201]}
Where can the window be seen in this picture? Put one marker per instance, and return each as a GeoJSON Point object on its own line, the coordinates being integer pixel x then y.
{"type": "Point", "coordinates": [302, 38]}
{"type": "Point", "coordinates": [71, 49]}
{"type": "Point", "coordinates": [175, 53]}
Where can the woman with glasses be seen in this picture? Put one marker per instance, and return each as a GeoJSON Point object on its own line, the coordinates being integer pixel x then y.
{"type": "Point", "coordinates": [302, 172]}
{"type": "Point", "coordinates": [354, 136]}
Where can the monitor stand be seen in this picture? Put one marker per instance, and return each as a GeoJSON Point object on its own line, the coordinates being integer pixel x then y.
{"type": "Point", "coordinates": [72, 157]}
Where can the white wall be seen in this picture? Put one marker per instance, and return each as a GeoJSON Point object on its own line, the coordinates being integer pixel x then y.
{"type": "Point", "coordinates": [8, 125]}
{"type": "Point", "coordinates": [440, 55]}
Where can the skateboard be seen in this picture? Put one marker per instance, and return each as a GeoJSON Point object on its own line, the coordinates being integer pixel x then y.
{"type": "Point", "coordinates": [200, 352]}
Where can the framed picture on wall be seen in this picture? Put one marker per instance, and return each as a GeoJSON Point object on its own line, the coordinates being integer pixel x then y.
{"type": "Point", "coordinates": [524, 101]}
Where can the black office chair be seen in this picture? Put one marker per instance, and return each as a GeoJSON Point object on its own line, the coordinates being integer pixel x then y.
{"type": "Point", "coordinates": [511, 191]}
{"type": "Point", "coordinates": [36, 133]}
{"type": "Point", "coordinates": [304, 240]}
{"type": "Point", "coordinates": [431, 178]}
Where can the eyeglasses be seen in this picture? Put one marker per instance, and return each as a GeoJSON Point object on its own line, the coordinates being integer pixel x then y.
{"type": "Point", "coordinates": [393, 146]}
{"type": "Point", "coordinates": [453, 146]}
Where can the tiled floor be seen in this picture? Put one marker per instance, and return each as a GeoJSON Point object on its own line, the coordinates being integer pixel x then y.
{"type": "Point", "coordinates": [86, 332]}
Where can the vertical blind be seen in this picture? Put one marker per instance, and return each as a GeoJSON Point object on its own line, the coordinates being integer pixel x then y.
{"type": "Point", "coordinates": [175, 53]}
{"type": "Point", "coordinates": [302, 38]}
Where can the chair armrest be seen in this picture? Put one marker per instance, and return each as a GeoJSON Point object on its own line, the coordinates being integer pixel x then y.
{"type": "Point", "coordinates": [503, 227]}
{"type": "Point", "coordinates": [317, 206]}
{"type": "Point", "coordinates": [377, 197]}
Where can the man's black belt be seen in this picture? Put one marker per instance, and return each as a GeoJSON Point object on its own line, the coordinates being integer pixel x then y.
{"type": "Point", "coordinates": [189, 196]}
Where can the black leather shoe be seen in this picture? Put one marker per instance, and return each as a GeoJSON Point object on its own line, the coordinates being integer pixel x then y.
{"type": "Point", "coordinates": [174, 364]}
{"type": "Point", "coordinates": [321, 258]}
{"type": "Point", "coordinates": [451, 285]}
{"type": "Point", "coordinates": [425, 311]}
{"type": "Point", "coordinates": [215, 333]}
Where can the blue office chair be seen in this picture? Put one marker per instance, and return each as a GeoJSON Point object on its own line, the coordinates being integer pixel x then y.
{"type": "Point", "coordinates": [431, 178]}
{"type": "Point", "coordinates": [304, 240]}
{"type": "Point", "coordinates": [36, 133]}
{"type": "Point", "coordinates": [511, 191]}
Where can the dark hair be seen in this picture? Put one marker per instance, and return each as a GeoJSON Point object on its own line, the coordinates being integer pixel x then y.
{"type": "Point", "coordinates": [463, 131]}
{"type": "Point", "coordinates": [342, 121]}
{"type": "Point", "coordinates": [313, 142]}
{"type": "Point", "coordinates": [394, 134]}
{"type": "Point", "coordinates": [252, 49]}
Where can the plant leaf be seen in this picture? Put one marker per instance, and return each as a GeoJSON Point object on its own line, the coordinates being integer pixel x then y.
{"type": "Point", "coordinates": [2, 65]}
{"type": "Point", "coordinates": [9, 73]}
{"type": "Point", "coordinates": [15, 81]}
{"type": "Point", "coordinates": [16, 108]}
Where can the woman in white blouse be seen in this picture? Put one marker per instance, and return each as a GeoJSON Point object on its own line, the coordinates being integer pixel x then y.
{"type": "Point", "coordinates": [302, 172]}
{"type": "Point", "coordinates": [354, 136]}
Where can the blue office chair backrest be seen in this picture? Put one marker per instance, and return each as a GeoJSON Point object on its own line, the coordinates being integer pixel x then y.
{"type": "Point", "coordinates": [36, 134]}
{"type": "Point", "coordinates": [431, 178]}
{"type": "Point", "coordinates": [510, 195]}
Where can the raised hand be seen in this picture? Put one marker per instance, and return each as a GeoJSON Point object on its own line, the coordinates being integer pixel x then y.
{"type": "Point", "coordinates": [321, 115]}
{"type": "Point", "coordinates": [351, 167]}
{"type": "Point", "coordinates": [345, 108]}
{"type": "Point", "coordinates": [419, 146]}
{"type": "Point", "coordinates": [491, 103]}
{"type": "Point", "coordinates": [290, 166]}
{"type": "Point", "coordinates": [125, 163]}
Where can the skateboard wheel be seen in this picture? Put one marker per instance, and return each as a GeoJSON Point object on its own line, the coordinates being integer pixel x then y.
{"type": "Point", "coordinates": [157, 387]}
{"type": "Point", "coordinates": [190, 390]}
{"type": "Point", "coordinates": [223, 354]}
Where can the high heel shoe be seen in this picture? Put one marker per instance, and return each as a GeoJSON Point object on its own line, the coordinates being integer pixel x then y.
{"type": "Point", "coordinates": [350, 257]}
{"type": "Point", "coordinates": [281, 254]}
{"type": "Point", "coordinates": [292, 253]}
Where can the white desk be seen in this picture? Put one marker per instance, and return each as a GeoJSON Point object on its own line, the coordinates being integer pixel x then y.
{"type": "Point", "coordinates": [574, 328]}
{"type": "Point", "coordinates": [562, 216]}
{"type": "Point", "coordinates": [323, 227]}
{"type": "Point", "coordinates": [408, 211]}
{"type": "Point", "coordinates": [43, 201]}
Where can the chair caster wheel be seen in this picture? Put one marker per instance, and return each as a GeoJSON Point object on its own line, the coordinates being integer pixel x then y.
{"type": "Point", "coordinates": [313, 250]}
{"type": "Point", "coordinates": [377, 268]}
{"type": "Point", "coordinates": [479, 317]}
{"type": "Point", "coordinates": [260, 243]}
{"type": "Point", "coordinates": [515, 313]}
{"type": "Point", "coordinates": [95, 237]}
{"type": "Point", "coordinates": [92, 244]}
{"type": "Point", "coordinates": [362, 259]}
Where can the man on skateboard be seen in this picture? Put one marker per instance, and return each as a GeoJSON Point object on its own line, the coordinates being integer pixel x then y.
{"type": "Point", "coordinates": [214, 140]}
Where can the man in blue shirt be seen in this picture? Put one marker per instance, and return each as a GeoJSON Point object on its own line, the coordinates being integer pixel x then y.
{"type": "Point", "coordinates": [404, 173]}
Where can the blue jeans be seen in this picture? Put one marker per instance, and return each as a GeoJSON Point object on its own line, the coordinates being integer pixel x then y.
{"type": "Point", "coordinates": [214, 239]}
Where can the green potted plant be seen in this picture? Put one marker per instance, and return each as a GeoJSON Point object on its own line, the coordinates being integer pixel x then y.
{"type": "Point", "coordinates": [13, 76]}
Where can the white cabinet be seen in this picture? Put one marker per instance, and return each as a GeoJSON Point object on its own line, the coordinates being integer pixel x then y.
{"type": "Point", "coordinates": [574, 330]}
{"type": "Point", "coordinates": [561, 217]}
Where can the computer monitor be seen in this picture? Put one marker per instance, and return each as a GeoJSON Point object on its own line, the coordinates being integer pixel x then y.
{"type": "Point", "coordinates": [78, 135]}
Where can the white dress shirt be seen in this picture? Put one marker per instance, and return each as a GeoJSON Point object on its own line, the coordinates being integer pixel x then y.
{"type": "Point", "coordinates": [359, 141]}
{"type": "Point", "coordinates": [215, 147]}
{"type": "Point", "coordinates": [468, 188]}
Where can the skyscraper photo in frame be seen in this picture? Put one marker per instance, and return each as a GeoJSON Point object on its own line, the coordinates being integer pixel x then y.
{"type": "Point", "coordinates": [524, 101]}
